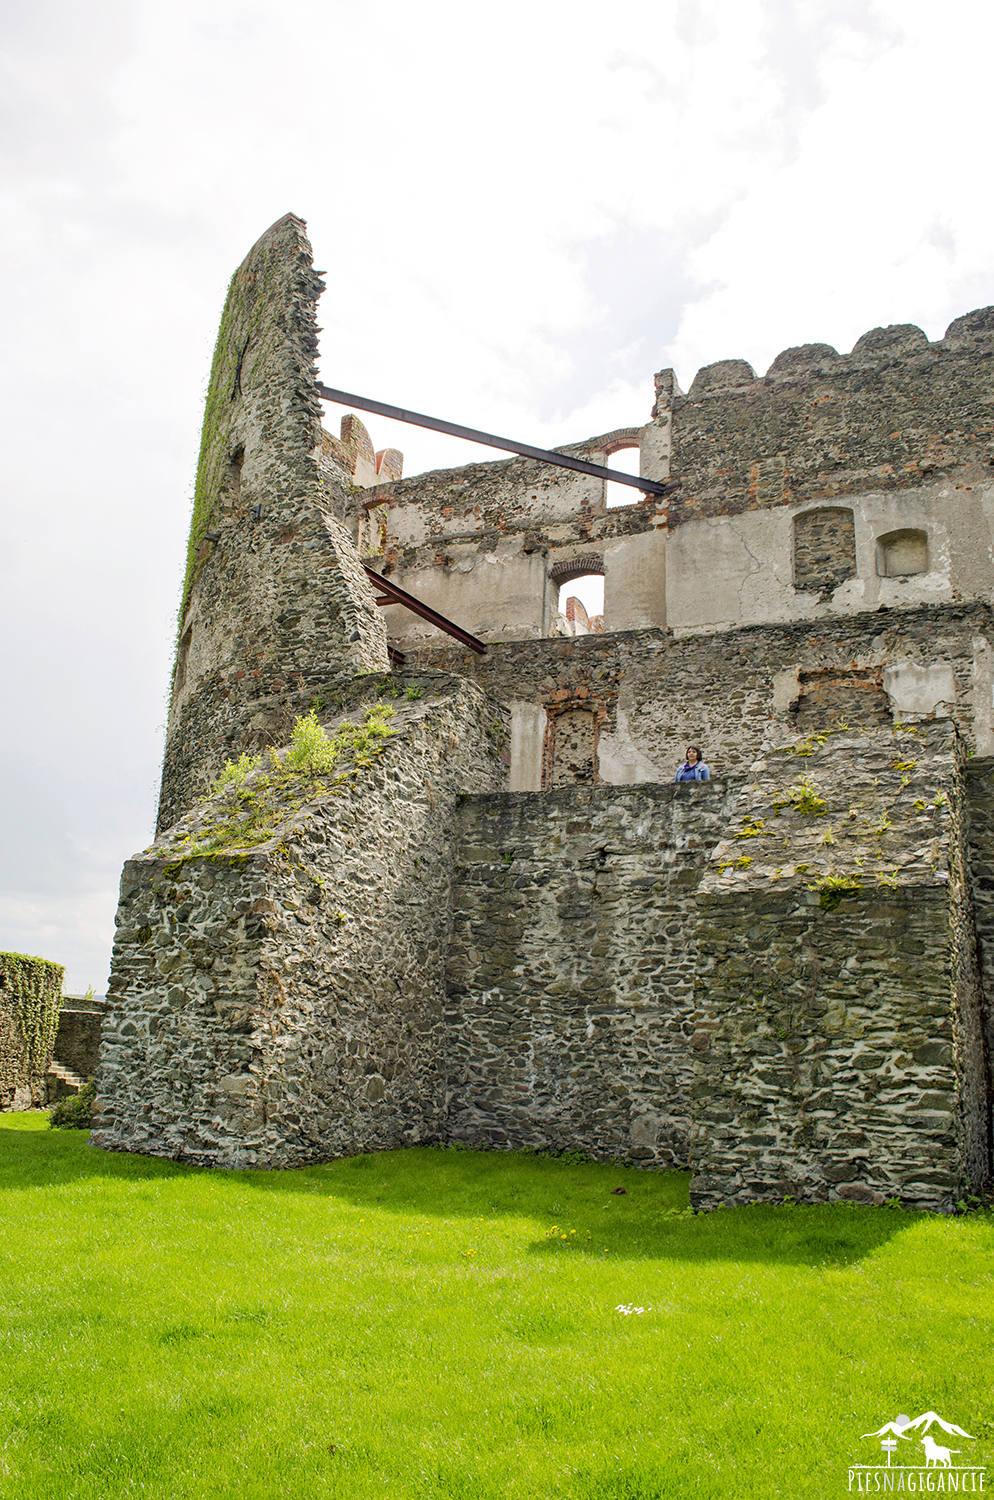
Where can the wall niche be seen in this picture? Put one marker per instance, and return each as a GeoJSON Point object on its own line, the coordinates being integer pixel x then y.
{"type": "Point", "coordinates": [901, 553]}
{"type": "Point", "coordinates": [824, 549]}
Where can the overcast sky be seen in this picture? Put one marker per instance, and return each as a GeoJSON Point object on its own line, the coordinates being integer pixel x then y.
{"type": "Point", "coordinates": [523, 211]}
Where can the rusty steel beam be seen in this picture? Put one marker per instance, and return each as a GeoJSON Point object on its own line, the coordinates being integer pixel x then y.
{"type": "Point", "coordinates": [391, 594]}
{"type": "Point", "coordinates": [543, 455]}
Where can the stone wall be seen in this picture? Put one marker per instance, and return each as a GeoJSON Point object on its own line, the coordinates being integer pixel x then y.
{"type": "Point", "coordinates": [837, 984]}
{"type": "Point", "coordinates": [77, 1041]}
{"type": "Point", "coordinates": [275, 598]}
{"type": "Point", "coordinates": [820, 424]}
{"type": "Point", "coordinates": [282, 1002]}
{"type": "Point", "coordinates": [571, 964]}
{"type": "Point", "coordinates": [734, 692]}
{"type": "Point", "coordinates": [824, 548]}
{"type": "Point", "coordinates": [979, 808]}
{"type": "Point", "coordinates": [780, 973]}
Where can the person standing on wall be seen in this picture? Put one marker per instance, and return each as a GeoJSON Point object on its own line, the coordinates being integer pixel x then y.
{"type": "Point", "coordinates": [693, 768]}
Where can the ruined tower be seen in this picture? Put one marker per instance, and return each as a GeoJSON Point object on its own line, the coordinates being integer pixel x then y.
{"type": "Point", "coordinates": [275, 602]}
{"type": "Point", "coordinates": [492, 917]}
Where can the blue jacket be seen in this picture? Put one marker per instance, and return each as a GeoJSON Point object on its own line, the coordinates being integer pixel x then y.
{"type": "Point", "coordinates": [687, 772]}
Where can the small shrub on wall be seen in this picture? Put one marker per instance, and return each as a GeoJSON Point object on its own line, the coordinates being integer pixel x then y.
{"type": "Point", "coordinates": [30, 997]}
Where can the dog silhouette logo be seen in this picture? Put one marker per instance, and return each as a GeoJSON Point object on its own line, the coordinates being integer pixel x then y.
{"type": "Point", "coordinates": [913, 1474]}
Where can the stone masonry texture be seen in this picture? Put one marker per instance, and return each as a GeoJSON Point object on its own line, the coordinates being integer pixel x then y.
{"type": "Point", "coordinates": [287, 1004]}
{"type": "Point", "coordinates": [276, 597]}
{"type": "Point", "coordinates": [840, 1048]}
{"type": "Point", "coordinates": [821, 424]}
{"type": "Point", "coordinates": [571, 968]}
{"type": "Point", "coordinates": [781, 979]}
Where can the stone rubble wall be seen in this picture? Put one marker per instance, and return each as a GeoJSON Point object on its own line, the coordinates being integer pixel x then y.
{"type": "Point", "coordinates": [734, 692]}
{"type": "Point", "coordinates": [840, 1023]}
{"type": "Point", "coordinates": [77, 1041]}
{"type": "Point", "coordinates": [276, 598]}
{"type": "Point", "coordinates": [570, 968]}
{"type": "Point", "coordinates": [979, 810]}
{"type": "Point", "coordinates": [819, 425]}
{"type": "Point", "coordinates": [286, 1004]}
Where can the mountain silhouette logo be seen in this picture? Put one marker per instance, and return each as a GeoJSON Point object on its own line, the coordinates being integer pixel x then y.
{"type": "Point", "coordinates": [902, 1426]}
{"type": "Point", "coordinates": [915, 1469]}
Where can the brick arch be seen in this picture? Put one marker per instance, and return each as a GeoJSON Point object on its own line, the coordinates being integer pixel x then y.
{"type": "Point", "coordinates": [568, 568]}
{"type": "Point", "coordinates": [621, 438]}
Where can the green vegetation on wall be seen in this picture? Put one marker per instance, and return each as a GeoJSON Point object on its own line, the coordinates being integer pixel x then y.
{"type": "Point", "coordinates": [257, 802]}
{"type": "Point", "coordinates": [75, 1111]}
{"type": "Point", "coordinates": [32, 990]}
{"type": "Point", "coordinates": [254, 319]}
{"type": "Point", "coordinates": [213, 441]}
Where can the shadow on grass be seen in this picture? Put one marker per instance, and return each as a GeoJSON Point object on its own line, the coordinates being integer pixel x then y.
{"type": "Point", "coordinates": [645, 1221]}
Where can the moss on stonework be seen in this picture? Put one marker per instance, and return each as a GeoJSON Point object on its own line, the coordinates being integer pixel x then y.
{"type": "Point", "coordinates": [247, 323]}
{"type": "Point", "coordinates": [253, 805]}
{"type": "Point", "coordinates": [217, 412]}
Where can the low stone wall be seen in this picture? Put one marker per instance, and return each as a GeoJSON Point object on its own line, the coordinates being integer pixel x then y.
{"type": "Point", "coordinates": [284, 1003]}
{"type": "Point", "coordinates": [571, 1017]}
{"type": "Point", "coordinates": [841, 1005]}
{"type": "Point", "coordinates": [77, 1041]}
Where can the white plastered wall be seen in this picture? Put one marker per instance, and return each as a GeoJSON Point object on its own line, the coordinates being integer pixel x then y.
{"type": "Point", "coordinates": [528, 723]}
{"type": "Point", "coordinates": [738, 570]}
{"type": "Point", "coordinates": [498, 595]}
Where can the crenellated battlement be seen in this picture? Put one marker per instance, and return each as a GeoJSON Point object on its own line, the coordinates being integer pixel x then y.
{"type": "Point", "coordinates": [891, 414]}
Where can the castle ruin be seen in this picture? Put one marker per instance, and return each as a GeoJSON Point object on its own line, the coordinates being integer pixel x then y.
{"type": "Point", "coordinates": [503, 923]}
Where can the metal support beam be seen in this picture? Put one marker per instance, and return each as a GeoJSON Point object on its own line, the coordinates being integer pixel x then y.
{"type": "Point", "coordinates": [391, 594]}
{"type": "Point", "coordinates": [544, 455]}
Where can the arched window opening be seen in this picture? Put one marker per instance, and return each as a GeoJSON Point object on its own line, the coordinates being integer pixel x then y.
{"type": "Point", "coordinates": [901, 553]}
{"type": "Point", "coordinates": [581, 606]}
{"type": "Point", "coordinates": [824, 549]}
{"type": "Point", "coordinates": [580, 596]}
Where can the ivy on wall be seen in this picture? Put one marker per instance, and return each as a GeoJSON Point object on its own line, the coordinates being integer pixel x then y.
{"type": "Point", "coordinates": [31, 992]}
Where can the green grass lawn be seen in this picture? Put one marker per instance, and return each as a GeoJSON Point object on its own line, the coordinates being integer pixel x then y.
{"type": "Point", "coordinates": [434, 1323]}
